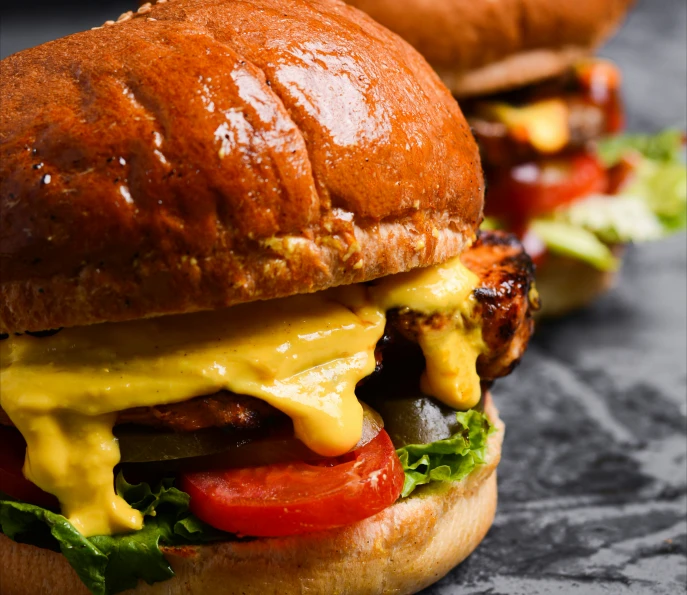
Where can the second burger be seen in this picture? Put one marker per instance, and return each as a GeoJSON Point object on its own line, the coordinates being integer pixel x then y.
{"type": "Point", "coordinates": [547, 117]}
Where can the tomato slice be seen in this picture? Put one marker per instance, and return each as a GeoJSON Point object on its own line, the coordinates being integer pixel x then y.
{"type": "Point", "coordinates": [529, 190]}
{"type": "Point", "coordinates": [12, 480]}
{"type": "Point", "coordinates": [300, 497]}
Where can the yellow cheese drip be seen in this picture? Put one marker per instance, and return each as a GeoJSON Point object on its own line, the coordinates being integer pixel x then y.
{"type": "Point", "coordinates": [451, 349]}
{"type": "Point", "coordinates": [304, 355]}
{"type": "Point", "coordinates": [544, 124]}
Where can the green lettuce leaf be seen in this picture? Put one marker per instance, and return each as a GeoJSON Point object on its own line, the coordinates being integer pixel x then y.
{"type": "Point", "coordinates": [26, 523]}
{"type": "Point", "coordinates": [451, 459]}
{"type": "Point", "coordinates": [652, 206]}
{"type": "Point", "coordinates": [660, 179]}
{"type": "Point", "coordinates": [577, 242]}
{"type": "Point", "coordinates": [614, 219]}
{"type": "Point", "coordinates": [665, 146]}
{"type": "Point", "coordinates": [490, 224]}
{"type": "Point", "coordinates": [109, 564]}
{"type": "Point", "coordinates": [663, 188]}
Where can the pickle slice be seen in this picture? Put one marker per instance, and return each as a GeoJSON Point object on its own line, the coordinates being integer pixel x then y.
{"type": "Point", "coordinates": [138, 444]}
{"type": "Point", "coordinates": [416, 420]}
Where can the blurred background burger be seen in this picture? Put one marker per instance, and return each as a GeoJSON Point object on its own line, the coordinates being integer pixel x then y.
{"type": "Point", "coordinates": [548, 117]}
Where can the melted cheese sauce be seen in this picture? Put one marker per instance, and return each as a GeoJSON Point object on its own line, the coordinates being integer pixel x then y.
{"type": "Point", "coordinates": [451, 348]}
{"type": "Point", "coordinates": [304, 355]}
{"type": "Point", "coordinates": [544, 124]}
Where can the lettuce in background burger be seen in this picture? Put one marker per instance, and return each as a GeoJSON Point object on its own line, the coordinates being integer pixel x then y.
{"type": "Point", "coordinates": [249, 321]}
{"type": "Point", "coordinates": [548, 119]}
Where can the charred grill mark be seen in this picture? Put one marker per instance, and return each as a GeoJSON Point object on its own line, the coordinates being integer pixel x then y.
{"type": "Point", "coordinates": [506, 240]}
{"type": "Point", "coordinates": [505, 301]}
{"type": "Point", "coordinates": [504, 304]}
{"type": "Point", "coordinates": [409, 322]}
{"type": "Point", "coordinates": [39, 334]}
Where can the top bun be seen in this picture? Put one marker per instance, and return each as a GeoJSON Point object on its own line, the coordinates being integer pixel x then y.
{"type": "Point", "coordinates": [203, 153]}
{"type": "Point", "coordinates": [484, 47]}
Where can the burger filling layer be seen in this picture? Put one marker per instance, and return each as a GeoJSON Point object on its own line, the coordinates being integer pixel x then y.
{"type": "Point", "coordinates": [561, 177]}
{"type": "Point", "coordinates": [246, 421]}
{"type": "Point", "coordinates": [303, 355]}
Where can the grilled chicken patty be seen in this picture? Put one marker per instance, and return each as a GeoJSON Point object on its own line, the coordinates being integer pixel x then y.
{"type": "Point", "coordinates": [505, 304]}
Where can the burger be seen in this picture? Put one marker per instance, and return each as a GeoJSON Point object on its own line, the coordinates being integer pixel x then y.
{"type": "Point", "coordinates": [250, 324]}
{"type": "Point", "coordinates": [548, 118]}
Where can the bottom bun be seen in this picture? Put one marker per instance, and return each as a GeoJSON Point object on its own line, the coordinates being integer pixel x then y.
{"type": "Point", "coordinates": [401, 550]}
{"type": "Point", "coordinates": [567, 284]}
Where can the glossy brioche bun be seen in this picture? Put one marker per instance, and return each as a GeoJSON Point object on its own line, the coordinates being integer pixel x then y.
{"type": "Point", "coordinates": [568, 284]}
{"type": "Point", "coordinates": [483, 47]}
{"type": "Point", "coordinates": [401, 550]}
{"type": "Point", "coordinates": [204, 153]}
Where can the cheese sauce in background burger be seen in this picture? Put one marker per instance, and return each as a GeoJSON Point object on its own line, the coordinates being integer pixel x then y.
{"type": "Point", "coordinates": [549, 119]}
{"type": "Point", "coordinates": [249, 322]}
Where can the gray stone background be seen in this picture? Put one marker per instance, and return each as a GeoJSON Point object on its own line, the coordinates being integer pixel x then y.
{"type": "Point", "coordinates": [593, 482]}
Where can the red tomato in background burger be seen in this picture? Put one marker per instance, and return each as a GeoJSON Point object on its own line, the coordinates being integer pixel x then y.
{"type": "Point", "coordinates": [292, 498]}
{"type": "Point", "coordinates": [12, 480]}
{"type": "Point", "coordinates": [533, 189]}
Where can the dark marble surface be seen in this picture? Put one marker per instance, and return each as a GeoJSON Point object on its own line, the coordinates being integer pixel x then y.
{"type": "Point", "coordinates": [594, 473]}
{"type": "Point", "coordinates": [593, 482]}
